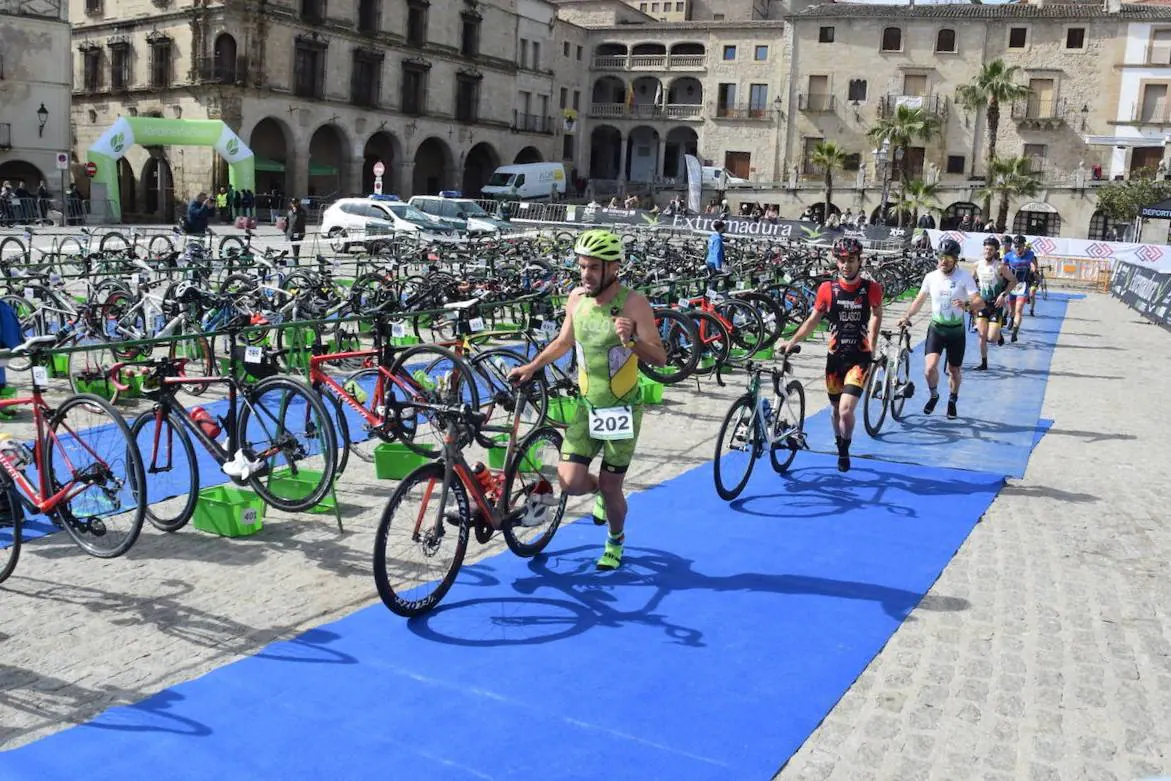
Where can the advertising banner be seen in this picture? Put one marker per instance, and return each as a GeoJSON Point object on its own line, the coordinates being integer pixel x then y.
{"type": "Point", "coordinates": [1144, 290]}
{"type": "Point", "coordinates": [694, 183]}
{"type": "Point", "coordinates": [1153, 256]}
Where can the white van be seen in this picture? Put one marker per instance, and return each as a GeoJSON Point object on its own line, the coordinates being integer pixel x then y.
{"type": "Point", "coordinates": [712, 175]}
{"type": "Point", "coordinates": [526, 181]}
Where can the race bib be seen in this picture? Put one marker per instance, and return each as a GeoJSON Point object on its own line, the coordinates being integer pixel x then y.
{"type": "Point", "coordinates": [40, 376]}
{"type": "Point", "coordinates": [1020, 289]}
{"type": "Point", "coordinates": [549, 328]}
{"type": "Point", "coordinates": [610, 423]}
{"type": "Point", "coordinates": [714, 295]}
{"type": "Point", "coordinates": [398, 330]}
{"type": "Point", "coordinates": [476, 324]}
{"type": "Point", "coordinates": [253, 355]}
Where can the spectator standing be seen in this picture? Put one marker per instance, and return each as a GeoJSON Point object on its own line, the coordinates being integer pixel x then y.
{"type": "Point", "coordinates": [295, 227]}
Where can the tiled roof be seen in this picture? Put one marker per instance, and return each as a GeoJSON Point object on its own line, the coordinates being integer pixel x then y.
{"type": "Point", "coordinates": [1128, 13]}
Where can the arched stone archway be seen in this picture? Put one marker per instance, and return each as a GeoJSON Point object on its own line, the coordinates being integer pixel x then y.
{"type": "Point", "coordinates": [270, 142]}
{"type": "Point", "coordinates": [329, 154]}
{"type": "Point", "coordinates": [609, 91]}
{"type": "Point", "coordinates": [433, 167]}
{"type": "Point", "coordinates": [225, 59]}
{"type": "Point", "coordinates": [158, 187]}
{"type": "Point", "coordinates": [954, 214]}
{"type": "Point", "coordinates": [646, 96]}
{"type": "Point", "coordinates": [381, 147]}
{"type": "Point", "coordinates": [817, 210]}
{"type": "Point", "coordinates": [605, 152]}
{"type": "Point", "coordinates": [681, 141]}
{"type": "Point", "coordinates": [127, 184]}
{"type": "Point", "coordinates": [642, 154]}
{"type": "Point", "coordinates": [14, 172]}
{"type": "Point", "coordinates": [530, 154]}
{"type": "Point", "coordinates": [1037, 219]}
{"type": "Point", "coordinates": [479, 164]}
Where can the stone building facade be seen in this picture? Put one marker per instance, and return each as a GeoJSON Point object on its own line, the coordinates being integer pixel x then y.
{"type": "Point", "coordinates": [34, 91]}
{"type": "Point", "coordinates": [319, 90]}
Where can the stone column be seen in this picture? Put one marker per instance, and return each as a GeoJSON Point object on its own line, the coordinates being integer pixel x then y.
{"type": "Point", "coordinates": [662, 156]}
{"type": "Point", "coordinates": [621, 160]}
{"type": "Point", "coordinates": [351, 179]}
{"type": "Point", "coordinates": [405, 178]}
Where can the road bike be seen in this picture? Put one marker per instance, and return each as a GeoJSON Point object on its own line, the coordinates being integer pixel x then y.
{"type": "Point", "coordinates": [888, 382]}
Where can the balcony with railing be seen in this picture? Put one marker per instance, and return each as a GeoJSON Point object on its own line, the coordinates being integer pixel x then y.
{"type": "Point", "coordinates": [531, 123]}
{"type": "Point", "coordinates": [815, 103]}
{"type": "Point", "coordinates": [1040, 114]}
{"type": "Point", "coordinates": [743, 112]}
{"type": "Point", "coordinates": [672, 111]}
{"type": "Point", "coordinates": [219, 70]}
{"type": "Point", "coordinates": [650, 62]}
{"type": "Point", "coordinates": [932, 105]}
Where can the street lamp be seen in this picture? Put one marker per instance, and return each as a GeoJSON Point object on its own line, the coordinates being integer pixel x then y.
{"type": "Point", "coordinates": [42, 117]}
{"type": "Point", "coordinates": [882, 167]}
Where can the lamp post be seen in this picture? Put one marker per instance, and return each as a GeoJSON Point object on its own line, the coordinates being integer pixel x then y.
{"type": "Point", "coordinates": [882, 168]}
{"type": "Point", "coordinates": [42, 117]}
{"type": "Point", "coordinates": [777, 177]}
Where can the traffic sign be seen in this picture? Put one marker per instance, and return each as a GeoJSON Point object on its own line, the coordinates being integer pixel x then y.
{"type": "Point", "coordinates": [379, 168]}
{"type": "Point", "coordinates": [91, 170]}
{"type": "Point", "coordinates": [62, 161]}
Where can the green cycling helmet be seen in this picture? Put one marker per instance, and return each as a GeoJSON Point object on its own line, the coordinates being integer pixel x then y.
{"type": "Point", "coordinates": [601, 244]}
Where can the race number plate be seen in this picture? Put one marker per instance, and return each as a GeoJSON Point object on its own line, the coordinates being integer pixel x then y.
{"type": "Point", "coordinates": [253, 355]}
{"type": "Point", "coordinates": [549, 328]}
{"type": "Point", "coordinates": [610, 423]}
{"type": "Point", "coordinates": [476, 324]}
{"type": "Point", "coordinates": [398, 330]}
{"type": "Point", "coordinates": [40, 376]}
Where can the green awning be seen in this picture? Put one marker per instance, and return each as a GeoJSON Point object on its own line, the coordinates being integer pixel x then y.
{"type": "Point", "coordinates": [264, 165]}
{"type": "Point", "coordinates": [322, 170]}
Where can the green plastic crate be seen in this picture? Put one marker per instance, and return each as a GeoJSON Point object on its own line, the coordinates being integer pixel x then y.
{"type": "Point", "coordinates": [394, 461]}
{"type": "Point", "coordinates": [763, 355]}
{"type": "Point", "coordinates": [286, 485]}
{"type": "Point", "coordinates": [8, 392]}
{"type": "Point", "coordinates": [650, 391]}
{"type": "Point", "coordinates": [561, 408]}
{"type": "Point", "coordinates": [405, 341]}
{"type": "Point", "coordinates": [59, 366]}
{"type": "Point", "coordinates": [229, 511]}
{"type": "Point", "coordinates": [99, 387]}
{"type": "Point", "coordinates": [531, 462]}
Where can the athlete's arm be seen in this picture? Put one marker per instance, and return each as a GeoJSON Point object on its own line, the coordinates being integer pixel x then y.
{"type": "Point", "coordinates": [975, 300]}
{"type": "Point", "coordinates": [916, 305]}
{"type": "Point", "coordinates": [875, 315]}
{"type": "Point", "coordinates": [555, 349]}
{"type": "Point", "coordinates": [821, 305]}
{"type": "Point", "coordinates": [647, 345]}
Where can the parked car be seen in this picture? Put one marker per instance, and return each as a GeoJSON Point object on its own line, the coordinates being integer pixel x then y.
{"type": "Point", "coordinates": [526, 181]}
{"type": "Point", "coordinates": [351, 222]}
{"type": "Point", "coordinates": [713, 174]}
{"type": "Point", "coordinates": [462, 214]}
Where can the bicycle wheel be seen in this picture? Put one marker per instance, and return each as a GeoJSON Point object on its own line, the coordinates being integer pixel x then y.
{"type": "Point", "coordinates": [200, 361]}
{"type": "Point", "coordinates": [875, 400]}
{"type": "Point", "coordinates": [169, 458]}
{"type": "Point", "coordinates": [714, 343]}
{"type": "Point", "coordinates": [771, 313]}
{"type": "Point", "coordinates": [90, 445]}
{"type": "Point", "coordinates": [421, 541]}
{"type": "Point", "coordinates": [11, 518]}
{"type": "Point", "coordinates": [788, 427]}
{"type": "Point", "coordinates": [432, 375]}
{"type": "Point", "coordinates": [679, 336]}
{"type": "Point", "coordinates": [284, 423]}
{"type": "Point", "coordinates": [364, 387]}
{"type": "Point", "coordinates": [496, 394]}
{"type": "Point", "coordinates": [747, 331]}
{"type": "Point", "coordinates": [534, 501]}
{"type": "Point", "coordinates": [901, 387]}
{"type": "Point", "coordinates": [737, 448]}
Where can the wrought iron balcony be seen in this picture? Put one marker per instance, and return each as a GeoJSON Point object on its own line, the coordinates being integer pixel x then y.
{"type": "Point", "coordinates": [531, 123]}
{"type": "Point", "coordinates": [744, 112]}
{"type": "Point", "coordinates": [933, 105]}
{"type": "Point", "coordinates": [212, 70]}
{"type": "Point", "coordinates": [1035, 113]}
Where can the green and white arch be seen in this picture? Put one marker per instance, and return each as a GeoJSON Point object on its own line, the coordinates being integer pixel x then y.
{"type": "Point", "coordinates": [157, 131]}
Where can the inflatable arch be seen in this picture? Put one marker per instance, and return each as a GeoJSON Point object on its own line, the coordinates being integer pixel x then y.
{"type": "Point", "coordinates": [156, 131]}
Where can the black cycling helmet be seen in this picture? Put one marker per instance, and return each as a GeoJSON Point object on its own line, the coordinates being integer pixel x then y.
{"type": "Point", "coordinates": [991, 241]}
{"type": "Point", "coordinates": [1006, 240]}
{"type": "Point", "coordinates": [847, 247]}
{"type": "Point", "coordinates": [1019, 239]}
{"type": "Point", "coordinates": [950, 248]}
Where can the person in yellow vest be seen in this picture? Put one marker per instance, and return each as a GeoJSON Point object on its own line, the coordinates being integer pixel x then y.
{"type": "Point", "coordinates": [221, 205]}
{"type": "Point", "coordinates": [612, 328]}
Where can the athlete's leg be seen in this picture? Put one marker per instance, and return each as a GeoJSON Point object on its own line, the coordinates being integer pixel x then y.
{"type": "Point", "coordinates": [575, 478]}
{"type": "Point", "coordinates": [610, 486]}
{"type": "Point", "coordinates": [982, 325]}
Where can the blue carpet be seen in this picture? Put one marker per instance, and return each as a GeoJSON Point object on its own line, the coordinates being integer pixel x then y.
{"type": "Point", "coordinates": [727, 636]}
{"type": "Point", "coordinates": [999, 409]}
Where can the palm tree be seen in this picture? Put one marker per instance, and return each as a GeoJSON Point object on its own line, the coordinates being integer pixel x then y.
{"type": "Point", "coordinates": [829, 157]}
{"type": "Point", "coordinates": [1009, 177]}
{"type": "Point", "coordinates": [994, 84]}
{"type": "Point", "coordinates": [902, 127]}
{"type": "Point", "coordinates": [918, 196]}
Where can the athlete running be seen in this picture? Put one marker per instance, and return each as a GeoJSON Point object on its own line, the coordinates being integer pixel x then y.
{"type": "Point", "coordinates": [995, 279]}
{"type": "Point", "coordinates": [1023, 263]}
{"type": "Point", "coordinates": [952, 291]}
{"type": "Point", "coordinates": [852, 306]}
{"type": "Point", "coordinates": [612, 328]}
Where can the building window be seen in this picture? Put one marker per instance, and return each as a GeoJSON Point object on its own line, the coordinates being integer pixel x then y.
{"type": "Point", "coordinates": [536, 55]}
{"type": "Point", "coordinates": [565, 49]}
{"type": "Point", "coordinates": [369, 16]}
{"type": "Point", "coordinates": [757, 100]}
{"type": "Point", "coordinates": [313, 11]}
{"type": "Point", "coordinates": [564, 97]}
{"type": "Point", "coordinates": [825, 35]}
{"type": "Point", "coordinates": [642, 7]}
{"type": "Point", "coordinates": [469, 43]}
{"type": "Point", "coordinates": [945, 41]}
{"type": "Point", "coordinates": [524, 53]}
{"type": "Point", "coordinates": [119, 66]}
{"type": "Point", "coordinates": [93, 70]}
{"type": "Point", "coordinates": [579, 54]}
{"type": "Point", "coordinates": [577, 100]}
{"type": "Point", "coordinates": [678, 8]}
{"type": "Point", "coordinates": [654, 8]}
{"type": "Point", "coordinates": [1035, 154]}
{"type": "Point", "coordinates": [717, 17]}
{"type": "Point", "coordinates": [160, 63]}
{"type": "Point", "coordinates": [856, 90]}
{"type": "Point", "coordinates": [467, 97]}
{"type": "Point", "coordinates": [807, 146]}
{"type": "Point", "coordinates": [309, 69]}
{"type": "Point", "coordinates": [417, 21]}
{"type": "Point", "coordinates": [892, 39]}
{"type": "Point", "coordinates": [1075, 38]}
{"type": "Point", "coordinates": [760, 54]}
{"type": "Point", "coordinates": [1161, 48]}
{"type": "Point", "coordinates": [366, 78]}
{"type": "Point", "coordinates": [414, 88]}
{"type": "Point", "coordinates": [955, 164]}
{"type": "Point", "coordinates": [725, 99]}
{"type": "Point", "coordinates": [1018, 37]}
{"type": "Point", "coordinates": [729, 53]}
{"type": "Point", "coordinates": [93, 7]}
{"type": "Point", "coordinates": [852, 161]}
{"type": "Point", "coordinates": [567, 146]}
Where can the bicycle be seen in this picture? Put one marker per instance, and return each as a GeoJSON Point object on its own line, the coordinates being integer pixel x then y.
{"type": "Point", "coordinates": [752, 423]}
{"type": "Point", "coordinates": [1040, 288]}
{"type": "Point", "coordinates": [524, 499]}
{"type": "Point", "coordinates": [89, 475]}
{"type": "Point", "coordinates": [890, 390]}
{"type": "Point", "coordinates": [273, 424]}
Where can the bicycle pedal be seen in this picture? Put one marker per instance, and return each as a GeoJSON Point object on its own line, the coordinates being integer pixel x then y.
{"type": "Point", "coordinates": [908, 390]}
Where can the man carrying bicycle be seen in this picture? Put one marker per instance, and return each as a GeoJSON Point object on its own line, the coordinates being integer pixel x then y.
{"type": "Point", "coordinates": [853, 307]}
{"type": "Point", "coordinates": [952, 291]}
{"type": "Point", "coordinates": [612, 328]}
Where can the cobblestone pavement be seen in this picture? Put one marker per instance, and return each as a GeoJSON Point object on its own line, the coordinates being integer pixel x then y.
{"type": "Point", "coordinates": [1059, 669]}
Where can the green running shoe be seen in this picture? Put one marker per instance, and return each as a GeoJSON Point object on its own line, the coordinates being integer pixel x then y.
{"type": "Point", "coordinates": [599, 511]}
{"type": "Point", "coordinates": [611, 557]}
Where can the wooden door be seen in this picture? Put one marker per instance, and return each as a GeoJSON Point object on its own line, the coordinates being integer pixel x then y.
{"type": "Point", "coordinates": [738, 163]}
